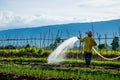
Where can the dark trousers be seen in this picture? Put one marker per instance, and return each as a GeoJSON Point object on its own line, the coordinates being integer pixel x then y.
{"type": "Point", "coordinates": [88, 57]}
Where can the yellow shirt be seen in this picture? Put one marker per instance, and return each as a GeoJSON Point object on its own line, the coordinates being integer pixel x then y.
{"type": "Point", "coordinates": [88, 43]}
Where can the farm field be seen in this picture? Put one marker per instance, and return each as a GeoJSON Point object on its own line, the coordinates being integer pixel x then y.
{"type": "Point", "coordinates": [71, 69]}
{"type": "Point", "coordinates": [31, 64]}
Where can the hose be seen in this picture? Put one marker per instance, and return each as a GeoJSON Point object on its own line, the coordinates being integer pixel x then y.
{"type": "Point", "coordinates": [105, 57]}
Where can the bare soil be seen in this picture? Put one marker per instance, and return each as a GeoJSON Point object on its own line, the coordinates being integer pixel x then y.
{"type": "Point", "coordinates": [13, 76]}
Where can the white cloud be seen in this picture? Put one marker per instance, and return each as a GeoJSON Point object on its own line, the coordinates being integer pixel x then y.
{"type": "Point", "coordinates": [11, 20]}
{"type": "Point", "coordinates": [99, 9]}
{"type": "Point", "coordinates": [99, 3]}
{"type": "Point", "coordinates": [5, 18]}
{"type": "Point", "coordinates": [56, 12]}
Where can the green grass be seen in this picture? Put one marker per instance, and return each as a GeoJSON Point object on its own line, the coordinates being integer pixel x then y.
{"type": "Point", "coordinates": [94, 62]}
{"type": "Point", "coordinates": [68, 61]}
{"type": "Point", "coordinates": [23, 59]}
{"type": "Point", "coordinates": [44, 72]}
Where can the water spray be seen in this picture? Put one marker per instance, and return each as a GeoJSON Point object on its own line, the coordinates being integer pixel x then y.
{"type": "Point", "coordinates": [58, 55]}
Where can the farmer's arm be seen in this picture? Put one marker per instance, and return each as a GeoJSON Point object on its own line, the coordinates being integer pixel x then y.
{"type": "Point", "coordinates": [94, 43]}
{"type": "Point", "coordinates": [81, 39]}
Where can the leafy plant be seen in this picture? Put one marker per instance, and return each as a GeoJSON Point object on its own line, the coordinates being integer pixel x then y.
{"type": "Point", "coordinates": [101, 46]}
{"type": "Point", "coordinates": [41, 51]}
{"type": "Point", "coordinates": [32, 50]}
{"type": "Point", "coordinates": [115, 43]}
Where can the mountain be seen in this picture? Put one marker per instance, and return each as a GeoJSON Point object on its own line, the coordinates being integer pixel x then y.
{"type": "Point", "coordinates": [64, 30]}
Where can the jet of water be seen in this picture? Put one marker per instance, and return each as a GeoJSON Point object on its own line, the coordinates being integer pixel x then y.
{"type": "Point", "coordinates": [58, 55]}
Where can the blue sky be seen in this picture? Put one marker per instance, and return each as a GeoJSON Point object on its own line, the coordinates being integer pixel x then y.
{"type": "Point", "coordinates": [33, 13]}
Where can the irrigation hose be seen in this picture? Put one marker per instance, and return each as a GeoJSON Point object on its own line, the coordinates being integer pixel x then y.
{"type": "Point", "coordinates": [105, 57]}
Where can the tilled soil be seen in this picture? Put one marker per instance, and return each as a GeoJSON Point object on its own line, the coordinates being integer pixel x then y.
{"type": "Point", "coordinates": [13, 76]}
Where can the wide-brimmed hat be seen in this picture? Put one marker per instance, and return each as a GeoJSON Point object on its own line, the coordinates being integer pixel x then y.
{"type": "Point", "coordinates": [90, 33]}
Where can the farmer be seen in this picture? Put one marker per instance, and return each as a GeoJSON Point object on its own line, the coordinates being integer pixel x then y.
{"type": "Point", "coordinates": [89, 42]}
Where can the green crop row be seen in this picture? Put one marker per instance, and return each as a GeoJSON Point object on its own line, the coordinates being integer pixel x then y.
{"type": "Point", "coordinates": [33, 50]}
{"type": "Point", "coordinates": [23, 59]}
{"type": "Point", "coordinates": [68, 61]}
{"type": "Point", "coordinates": [94, 62]}
{"type": "Point", "coordinates": [81, 73]}
{"type": "Point", "coordinates": [108, 52]}
{"type": "Point", "coordinates": [42, 51]}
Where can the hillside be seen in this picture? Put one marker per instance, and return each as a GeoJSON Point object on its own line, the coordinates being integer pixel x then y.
{"type": "Point", "coordinates": [64, 30]}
